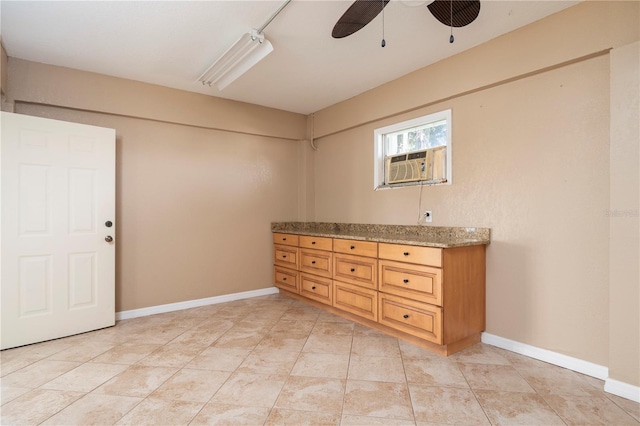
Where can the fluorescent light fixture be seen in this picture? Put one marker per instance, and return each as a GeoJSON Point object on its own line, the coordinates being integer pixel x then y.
{"type": "Point", "coordinates": [250, 49]}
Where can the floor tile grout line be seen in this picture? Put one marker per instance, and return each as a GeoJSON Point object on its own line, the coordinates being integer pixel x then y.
{"type": "Point", "coordinates": [406, 380]}
{"type": "Point", "coordinates": [538, 393]}
{"type": "Point", "coordinates": [346, 379]}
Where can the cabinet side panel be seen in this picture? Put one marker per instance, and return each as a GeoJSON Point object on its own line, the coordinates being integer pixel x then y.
{"type": "Point", "coordinates": [464, 298]}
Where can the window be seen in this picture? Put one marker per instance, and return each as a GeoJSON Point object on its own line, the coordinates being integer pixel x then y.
{"type": "Point", "coordinates": [414, 152]}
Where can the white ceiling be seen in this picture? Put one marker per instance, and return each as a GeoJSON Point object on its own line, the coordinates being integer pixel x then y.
{"type": "Point", "coordinates": [170, 43]}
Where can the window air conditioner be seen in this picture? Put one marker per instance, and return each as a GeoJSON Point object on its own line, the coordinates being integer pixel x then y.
{"type": "Point", "coordinates": [410, 167]}
{"type": "Point", "coordinates": [426, 165]}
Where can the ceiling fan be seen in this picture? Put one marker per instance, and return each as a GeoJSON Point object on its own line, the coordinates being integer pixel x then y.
{"type": "Point", "coordinates": [452, 13]}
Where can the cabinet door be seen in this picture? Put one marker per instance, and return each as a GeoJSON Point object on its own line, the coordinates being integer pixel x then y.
{"type": "Point", "coordinates": [286, 279]}
{"type": "Point", "coordinates": [316, 288]}
{"type": "Point", "coordinates": [418, 319]}
{"type": "Point", "coordinates": [316, 262]}
{"type": "Point", "coordinates": [356, 300]}
{"type": "Point", "coordinates": [356, 270]}
{"type": "Point", "coordinates": [421, 283]}
{"type": "Point", "coordinates": [285, 256]}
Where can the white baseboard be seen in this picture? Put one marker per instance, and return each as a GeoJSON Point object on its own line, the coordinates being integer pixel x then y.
{"type": "Point", "coordinates": [170, 307]}
{"type": "Point", "coordinates": [575, 364]}
{"type": "Point", "coordinates": [601, 372]}
{"type": "Point", "coordinates": [622, 389]}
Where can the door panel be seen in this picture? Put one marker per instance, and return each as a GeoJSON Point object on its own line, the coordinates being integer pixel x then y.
{"type": "Point", "coordinates": [58, 190]}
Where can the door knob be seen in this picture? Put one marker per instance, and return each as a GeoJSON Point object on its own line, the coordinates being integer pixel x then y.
{"type": "Point", "coordinates": [108, 224]}
{"type": "Point", "coordinates": [108, 238]}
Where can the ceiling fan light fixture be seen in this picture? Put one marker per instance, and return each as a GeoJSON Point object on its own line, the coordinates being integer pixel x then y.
{"type": "Point", "coordinates": [246, 52]}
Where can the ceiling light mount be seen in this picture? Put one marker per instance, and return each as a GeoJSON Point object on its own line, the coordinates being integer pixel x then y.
{"type": "Point", "coordinates": [246, 52]}
{"type": "Point", "coordinates": [250, 49]}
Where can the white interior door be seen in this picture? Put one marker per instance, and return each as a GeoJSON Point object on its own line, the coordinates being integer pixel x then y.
{"type": "Point", "coordinates": [57, 229]}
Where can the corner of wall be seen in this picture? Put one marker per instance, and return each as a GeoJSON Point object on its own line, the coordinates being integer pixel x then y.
{"type": "Point", "coordinates": [306, 174]}
{"type": "Point", "coordinates": [306, 182]}
{"type": "Point", "coordinates": [624, 220]}
{"type": "Point", "coordinates": [6, 104]}
{"type": "Point", "coordinates": [4, 59]}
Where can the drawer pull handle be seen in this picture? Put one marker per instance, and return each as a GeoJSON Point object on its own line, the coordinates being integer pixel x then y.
{"type": "Point", "coordinates": [313, 262]}
{"type": "Point", "coordinates": [284, 279]}
{"type": "Point", "coordinates": [353, 269]}
{"type": "Point", "coordinates": [284, 256]}
{"type": "Point", "coordinates": [313, 243]}
{"type": "Point", "coordinates": [406, 281]}
{"type": "Point", "coordinates": [406, 253]}
{"type": "Point", "coordinates": [284, 239]}
{"type": "Point", "coordinates": [313, 288]}
{"type": "Point", "coordinates": [353, 247]}
{"type": "Point", "coordinates": [405, 316]}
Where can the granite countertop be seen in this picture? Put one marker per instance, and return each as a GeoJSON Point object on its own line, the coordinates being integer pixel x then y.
{"type": "Point", "coordinates": [427, 236]}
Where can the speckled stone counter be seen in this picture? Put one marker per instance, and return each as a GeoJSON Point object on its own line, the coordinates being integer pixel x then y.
{"type": "Point", "coordinates": [428, 236]}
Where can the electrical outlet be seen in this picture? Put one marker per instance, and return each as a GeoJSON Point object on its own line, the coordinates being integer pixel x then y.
{"type": "Point", "coordinates": [428, 216]}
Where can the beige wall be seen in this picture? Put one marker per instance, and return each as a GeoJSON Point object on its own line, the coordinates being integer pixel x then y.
{"type": "Point", "coordinates": [531, 161]}
{"type": "Point", "coordinates": [194, 204]}
{"type": "Point", "coordinates": [624, 223]}
{"type": "Point", "coordinates": [69, 88]}
{"type": "Point", "coordinates": [576, 32]}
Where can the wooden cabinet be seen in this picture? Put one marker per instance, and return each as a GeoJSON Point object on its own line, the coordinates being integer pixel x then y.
{"type": "Point", "coordinates": [286, 239]}
{"type": "Point", "coordinates": [411, 254]}
{"type": "Point", "coordinates": [356, 270]}
{"type": "Point", "coordinates": [434, 297]}
{"type": "Point", "coordinates": [360, 248]}
{"type": "Point", "coordinates": [317, 288]}
{"type": "Point", "coordinates": [434, 294]}
{"type": "Point", "coordinates": [304, 265]}
{"type": "Point", "coordinates": [356, 300]}
{"type": "Point", "coordinates": [286, 279]}
{"type": "Point", "coordinates": [418, 319]}
{"type": "Point", "coordinates": [285, 261]}
{"type": "Point", "coordinates": [285, 256]}
{"type": "Point", "coordinates": [418, 282]}
{"type": "Point", "coordinates": [318, 243]}
{"type": "Point", "coordinates": [355, 275]}
{"type": "Point", "coordinates": [318, 262]}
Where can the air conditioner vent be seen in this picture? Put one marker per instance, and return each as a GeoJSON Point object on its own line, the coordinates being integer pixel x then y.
{"type": "Point", "coordinates": [425, 165]}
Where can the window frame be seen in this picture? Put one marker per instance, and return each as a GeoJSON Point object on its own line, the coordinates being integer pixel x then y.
{"type": "Point", "coordinates": [379, 149]}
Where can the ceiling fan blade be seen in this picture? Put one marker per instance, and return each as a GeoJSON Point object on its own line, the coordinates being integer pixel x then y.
{"type": "Point", "coordinates": [464, 11]}
{"type": "Point", "coordinates": [359, 14]}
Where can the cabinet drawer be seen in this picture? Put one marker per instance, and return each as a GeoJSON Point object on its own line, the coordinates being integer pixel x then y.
{"type": "Point", "coordinates": [285, 256]}
{"type": "Point", "coordinates": [418, 319]}
{"type": "Point", "coordinates": [356, 270]}
{"type": "Point", "coordinates": [316, 288]}
{"type": "Point", "coordinates": [413, 254]}
{"type": "Point", "coordinates": [421, 283]}
{"type": "Point", "coordinates": [286, 279]}
{"type": "Point", "coordinates": [318, 243]}
{"type": "Point", "coordinates": [285, 239]}
{"type": "Point", "coordinates": [356, 300]}
{"type": "Point", "coordinates": [359, 248]}
{"type": "Point", "coordinates": [316, 262]}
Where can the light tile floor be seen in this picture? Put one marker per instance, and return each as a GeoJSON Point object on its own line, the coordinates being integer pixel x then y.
{"type": "Point", "coordinates": [271, 360]}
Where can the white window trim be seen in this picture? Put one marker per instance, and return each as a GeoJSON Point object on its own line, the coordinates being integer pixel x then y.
{"type": "Point", "coordinates": [378, 151]}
